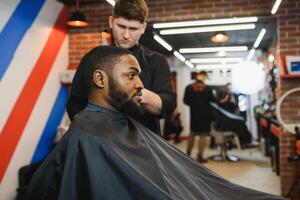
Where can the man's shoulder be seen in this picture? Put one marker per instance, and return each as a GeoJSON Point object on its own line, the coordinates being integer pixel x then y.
{"type": "Point", "coordinates": [150, 53]}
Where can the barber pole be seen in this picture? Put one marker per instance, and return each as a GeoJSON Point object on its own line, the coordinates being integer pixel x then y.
{"type": "Point", "coordinates": [33, 52]}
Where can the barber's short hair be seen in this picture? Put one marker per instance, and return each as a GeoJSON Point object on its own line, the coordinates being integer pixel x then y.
{"type": "Point", "coordinates": [204, 73]}
{"type": "Point", "coordinates": [101, 57]}
{"type": "Point", "coordinates": [131, 10]}
{"type": "Point", "coordinates": [227, 84]}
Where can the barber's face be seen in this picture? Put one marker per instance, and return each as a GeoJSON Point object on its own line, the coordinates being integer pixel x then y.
{"type": "Point", "coordinates": [201, 77]}
{"type": "Point", "coordinates": [124, 83]}
{"type": "Point", "coordinates": [126, 33]}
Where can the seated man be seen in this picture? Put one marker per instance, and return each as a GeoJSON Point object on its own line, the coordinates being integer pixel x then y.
{"type": "Point", "coordinates": [107, 155]}
{"type": "Point", "coordinates": [227, 100]}
{"type": "Point", "coordinates": [227, 121]}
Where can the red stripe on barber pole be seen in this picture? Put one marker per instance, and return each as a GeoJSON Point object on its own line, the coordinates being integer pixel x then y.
{"type": "Point", "coordinates": [11, 131]}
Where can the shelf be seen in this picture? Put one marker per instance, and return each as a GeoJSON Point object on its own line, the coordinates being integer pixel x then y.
{"type": "Point", "coordinates": [289, 76]}
{"type": "Point", "coordinates": [282, 68]}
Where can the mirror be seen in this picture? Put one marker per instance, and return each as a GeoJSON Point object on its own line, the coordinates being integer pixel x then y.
{"type": "Point", "coordinates": [289, 103]}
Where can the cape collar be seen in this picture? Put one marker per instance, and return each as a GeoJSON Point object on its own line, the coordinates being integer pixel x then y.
{"type": "Point", "coordinates": [96, 108]}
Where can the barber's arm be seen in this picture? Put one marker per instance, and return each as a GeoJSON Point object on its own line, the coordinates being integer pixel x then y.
{"type": "Point", "coordinates": [222, 97]}
{"type": "Point", "coordinates": [161, 100]}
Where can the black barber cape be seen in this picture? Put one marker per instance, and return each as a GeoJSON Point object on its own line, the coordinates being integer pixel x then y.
{"type": "Point", "coordinates": [105, 155]}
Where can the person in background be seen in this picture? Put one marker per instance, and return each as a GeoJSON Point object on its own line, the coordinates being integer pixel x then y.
{"type": "Point", "coordinates": [198, 97]}
{"type": "Point", "coordinates": [173, 125]}
{"type": "Point", "coordinates": [227, 100]}
{"type": "Point", "coordinates": [127, 23]}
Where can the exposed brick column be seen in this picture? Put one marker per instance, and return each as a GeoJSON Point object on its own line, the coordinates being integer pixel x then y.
{"type": "Point", "coordinates": [289, 43]}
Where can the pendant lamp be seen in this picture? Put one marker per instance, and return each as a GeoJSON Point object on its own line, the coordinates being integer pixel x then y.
{"type": "Point", "coordinates": [77, 18]}
{"type": "Point", "coordinates": [219, 37]}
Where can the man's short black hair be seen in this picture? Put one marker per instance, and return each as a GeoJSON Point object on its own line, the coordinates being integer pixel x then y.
{"type": "Point", "coordinates": [101, 57]}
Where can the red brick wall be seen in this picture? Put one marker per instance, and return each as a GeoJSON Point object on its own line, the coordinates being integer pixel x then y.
{"type": "Point", "coordinates": [81, 40]}
{"type": "Point", "coordinates": [289, 43]}
{"type": "Point", "coordinates": [206, 9]}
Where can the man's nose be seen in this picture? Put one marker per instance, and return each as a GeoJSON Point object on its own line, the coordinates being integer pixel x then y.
{"type": "Point", "coordinates": [139, 85]}
{"type": "Point", "coordinates": [126, 33]}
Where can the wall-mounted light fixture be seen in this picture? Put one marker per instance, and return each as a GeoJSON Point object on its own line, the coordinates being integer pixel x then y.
{"type": "Point", "coordinates": [77, 18]}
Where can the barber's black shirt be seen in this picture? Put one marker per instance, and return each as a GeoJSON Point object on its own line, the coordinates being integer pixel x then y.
{"type": "Point", "coordinates": [155, 76]}
{"type": "Point", "coordinates": [198, 97]}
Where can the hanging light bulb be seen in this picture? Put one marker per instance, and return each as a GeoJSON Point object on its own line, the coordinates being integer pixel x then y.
{"type": "Point", "coordinates": [219, 37]}
{"type": "Point", "coordinates": [77, 18]}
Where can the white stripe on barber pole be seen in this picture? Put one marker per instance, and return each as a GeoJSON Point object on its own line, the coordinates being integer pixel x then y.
{"type": "Point", "coordinates": [9, 7]}
{"type": "Point", "coordinates": [25, 58]}
{"type": "Point", "coordinates": [32, 133]}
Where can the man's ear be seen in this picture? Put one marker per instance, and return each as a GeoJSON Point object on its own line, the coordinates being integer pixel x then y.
{"type": "Point", "coordinates": [110, 21]}
{"type": "Point", "coordinates": [99, 77]}
{"type": "Point", "coordinates": [144, 27]}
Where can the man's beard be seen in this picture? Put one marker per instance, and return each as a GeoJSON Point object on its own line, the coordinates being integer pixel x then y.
{"type": "Point", "coordinates": [122, 102]}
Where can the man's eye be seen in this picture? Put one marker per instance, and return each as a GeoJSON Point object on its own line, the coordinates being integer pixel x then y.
{"type": "Point", "coordinates": [122, 27]}
{"type": "Point", "coordinates": [133, 29]}
{"type": "Point", "coordinates": [131, 76]}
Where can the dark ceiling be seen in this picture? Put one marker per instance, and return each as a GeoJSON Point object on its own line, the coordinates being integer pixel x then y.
{"type": "Point", "coordinates": [196, 40]}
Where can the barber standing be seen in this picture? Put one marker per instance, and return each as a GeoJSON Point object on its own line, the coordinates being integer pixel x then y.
{"type": "Point", "coordinates": [127, 24]}
{"type": "Point", "coordinates": [198, 97]}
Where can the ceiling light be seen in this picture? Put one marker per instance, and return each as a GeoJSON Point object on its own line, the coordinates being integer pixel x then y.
{"type": "Point", "coordinates": [77, 18]}
{"type": "Point", "coordinates": [179, 56]}
{"type": "Point", "coordinates": [219, 37]}
{"type": "Point", "coordinates": [216, 60]}
{"type": "Point", "coordinates": [211, 67]}
{"type": "Point", "coordinates": [259, 38]}
{"type": "Point", "coordinates": [111, 2]}
{"type": "Point", "coordinates": [189, 64]}
{"type": "Point", "coordinates": [163, 42]}
{"type": "Point", "coordinates": [275, 7]}
{"type": "Point", "coordinates": [207, 29]}
{"type": "Point", "coordinates": [213, 49]}
{"type": "Point", "coordinates": [271, 58]}
{"type": "Point", "coordinates": [222, 53]}
{"type": "Point", "coordinates": [206, 22]}
{"type": "Point", "coordinates": [251, 54]}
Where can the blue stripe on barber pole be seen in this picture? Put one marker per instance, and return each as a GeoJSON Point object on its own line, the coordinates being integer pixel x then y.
{"type": "Point", "coordinates": [50, 130]}
{"type": "Point", "coordinates": [15, 29]}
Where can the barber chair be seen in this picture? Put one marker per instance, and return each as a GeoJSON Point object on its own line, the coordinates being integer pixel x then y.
{"type": "Point", "coordinates": [25, 173]}
{"type": "Point", "coordinates": [221, 140]}
{"type": "Point", "coordinates": [222, 137]}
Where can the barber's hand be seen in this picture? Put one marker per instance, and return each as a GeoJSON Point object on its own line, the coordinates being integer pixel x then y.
{"type": "Point", "coordinates": [226, 98]}
{"type": "Point", "coordinates": [232, 100]}
{"type": "Point", "coordinates": [151, 102]}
